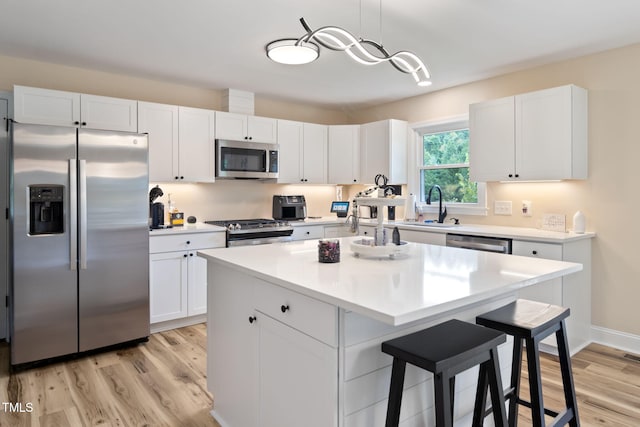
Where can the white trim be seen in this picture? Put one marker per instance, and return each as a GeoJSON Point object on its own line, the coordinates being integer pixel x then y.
{"type": "Point", "coordinates": [617, 339]}
{"type": "Point", "coordinates": [177, 323]}
{"type": "Point", "coordinates": [415, 165]}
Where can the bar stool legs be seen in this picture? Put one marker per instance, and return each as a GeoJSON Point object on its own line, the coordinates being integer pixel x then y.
{"type": "Point", "coordinates": [529, 322]}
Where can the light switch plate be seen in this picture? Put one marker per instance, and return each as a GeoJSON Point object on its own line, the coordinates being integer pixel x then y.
{"type": "Point", "coordinates": [502, 207]}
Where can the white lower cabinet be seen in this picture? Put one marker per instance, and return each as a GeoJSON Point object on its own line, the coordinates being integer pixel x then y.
{"type": "Point", "coordinates": [549, 292]}
{"type": "Point", "coordinates": [307, 232]}
{"type": "Point", "coordinates": [272, 354]}
{"type": "Point", "coordinates": [285, 377]}
{"type": "Point", "coordinates": [177, 276]}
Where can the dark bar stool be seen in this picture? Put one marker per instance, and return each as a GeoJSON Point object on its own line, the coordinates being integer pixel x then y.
{"type": "Point", "coordinates": [446, 350]}
{"type": "Point", "coordinates": [530, 322]}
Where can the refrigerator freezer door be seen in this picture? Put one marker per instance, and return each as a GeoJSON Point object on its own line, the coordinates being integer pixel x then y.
{"type": "Point", "coordinates": [113, 238]}
{"type": "Point", "coordinates": [44, 291]}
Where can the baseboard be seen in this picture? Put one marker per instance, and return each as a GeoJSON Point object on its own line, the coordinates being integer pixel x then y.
{"type": "Point", "coordinates": [178, 323]}
{"type": "Point", "coordinates": [612, 338]}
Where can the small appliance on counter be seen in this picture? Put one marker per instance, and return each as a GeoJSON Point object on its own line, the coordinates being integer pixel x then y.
{"type": "Point", "coordinates": [156, 209]}
{"type": "Point", "coordinates": [289, 208]}
{"type": "Point", "coordinates": [340, 208]}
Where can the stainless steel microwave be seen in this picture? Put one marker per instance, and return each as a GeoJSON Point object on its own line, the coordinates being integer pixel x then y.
{"type": "Point", "coordinates": [246, 160]}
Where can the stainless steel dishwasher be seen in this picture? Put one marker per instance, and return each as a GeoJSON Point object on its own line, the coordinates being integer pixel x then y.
{"type": "Point", "coordinates": [480, 243]}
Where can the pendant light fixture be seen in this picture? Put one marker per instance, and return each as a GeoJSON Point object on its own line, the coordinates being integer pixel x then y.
{"type": "Point", "coordinates": [367, 52]}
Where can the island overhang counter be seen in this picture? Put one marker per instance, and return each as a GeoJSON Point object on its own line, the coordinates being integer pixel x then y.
{"type": "Point", "coordinates": [292, 341]}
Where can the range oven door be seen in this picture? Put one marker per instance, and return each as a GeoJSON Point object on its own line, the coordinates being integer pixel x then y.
{"type": "Point", "coordinates": [249, 160]}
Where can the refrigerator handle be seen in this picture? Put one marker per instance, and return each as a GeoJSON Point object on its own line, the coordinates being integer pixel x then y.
{"type": "Point", "coordinates": [73, 214]}
{"type": "Point", "coordinates": [82, 182]}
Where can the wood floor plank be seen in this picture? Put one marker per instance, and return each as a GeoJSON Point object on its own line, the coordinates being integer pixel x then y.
{"type": "Point", "coordinates": [163, 383]}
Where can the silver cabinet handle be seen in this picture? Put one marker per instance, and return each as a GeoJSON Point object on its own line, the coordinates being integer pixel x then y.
{"type": "Point", "coordinates": [83, 213]}
{"type": "Point", "coordinates": [73, 214]}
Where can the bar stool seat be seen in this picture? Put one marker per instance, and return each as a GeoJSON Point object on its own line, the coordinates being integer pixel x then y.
{"type": "Point", "coordinates": [530, 322]}
{"type": "Point", "coordinates": [446, 350]}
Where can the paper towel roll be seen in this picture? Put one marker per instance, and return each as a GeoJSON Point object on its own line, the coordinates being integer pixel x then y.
{"type": "Point", "coordinates": [410, 208]}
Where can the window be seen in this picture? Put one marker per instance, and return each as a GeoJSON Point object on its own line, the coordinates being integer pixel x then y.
{"type": "Point", "coordinates": [443, 160]}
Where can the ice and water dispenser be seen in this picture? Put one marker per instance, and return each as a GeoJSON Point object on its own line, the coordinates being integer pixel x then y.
{"type": "Point", "coordinates": [46, 210]}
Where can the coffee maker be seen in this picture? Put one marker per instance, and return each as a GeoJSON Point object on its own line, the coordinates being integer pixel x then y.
{"type": "Point", "coordinates": [156, 209]}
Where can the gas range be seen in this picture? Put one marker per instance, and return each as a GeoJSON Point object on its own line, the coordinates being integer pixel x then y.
{"type": "Point", "coordinates": [255, 231]}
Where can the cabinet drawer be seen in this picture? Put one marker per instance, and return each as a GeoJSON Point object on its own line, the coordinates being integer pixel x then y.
{"type": "Point", "coordinates": [310, 316]}
{"type": "Point", "coordinates": [536, 249]}
{"type": "Point", "coordinates": [308, 232]}
{"type": "Point", "coordinates": [181, 242]}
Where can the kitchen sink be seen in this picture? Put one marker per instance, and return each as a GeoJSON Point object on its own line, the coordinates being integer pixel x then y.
{"type": "Point", "coordinates": [431, 224]}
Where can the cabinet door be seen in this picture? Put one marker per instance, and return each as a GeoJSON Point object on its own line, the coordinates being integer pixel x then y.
{"type": "Point", "coordinates": [551, 291]}
{"type": "Point", "coordinates": [106, 113]}
{"type": "Point", "coordinates": [231, 126]}
{"type": "Point", "coordinates": [160, 121]}
{"type": "Point", "coordinates": [262, 129]}
{"type": "Point", "coordinates": [290, 154]}
{"type": "Point", "coordinates": [543, 134]}
{"type": "Point", "coordinates": [314, 165]}
{"type": "Point", "coordinates": [232, 347]}
{"type": "Point", "coordinates": [46, 106]}
{"type": "Point", "coordinates": [491, 140]}
{"type": "Point", "coordinates": [168, 277]}
{"type": "Point", "coordinates": [197, 285]}
{"type": "Point", "coordinates": [289, 362]}
{"type": "Point", "coordinates": [344, 154]}
{"type": "Point", "coordinates": [383, 150]}
{"type": "Point", "coordinates": [197, 144]}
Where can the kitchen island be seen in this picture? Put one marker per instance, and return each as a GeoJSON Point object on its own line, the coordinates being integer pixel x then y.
{"type": "Point", "coordinates": [292, 341]}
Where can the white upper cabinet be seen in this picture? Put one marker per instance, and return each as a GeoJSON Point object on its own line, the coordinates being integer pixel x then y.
{"type": "Point", "coordinates": [383, 150]}
{"type": "Point", "coordinates": [303, 153]}
{"type": "Point", "coordinates": [314, 153]}
{"type": "Point", "coordinates": [344, 154]}
{"type": "Point", "coordinates": [60, 108]}
{"type": "Point", "coordinates": [540, 135]}
{"type": "Point", "coordinates": [181, 142]}
{"type": "Point", "coordinates": [196, 157]}
{"type": "Point", "coordinates": [160, 121]}
{"type": "Point", "coordinates": [240, 127]}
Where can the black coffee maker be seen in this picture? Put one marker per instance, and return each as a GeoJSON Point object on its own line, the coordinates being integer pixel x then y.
{"type": "Point", "coordinates": [156, 209]}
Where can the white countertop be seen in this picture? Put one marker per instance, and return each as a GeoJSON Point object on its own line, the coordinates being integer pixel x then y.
{"type": "Point", "coordinates": [198, 227]}
{"type": "Point", "coordinates": [427, 281]}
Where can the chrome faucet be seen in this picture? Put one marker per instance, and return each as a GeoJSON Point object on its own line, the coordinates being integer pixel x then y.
{"type": "Point", "coordinates": [442, 213]}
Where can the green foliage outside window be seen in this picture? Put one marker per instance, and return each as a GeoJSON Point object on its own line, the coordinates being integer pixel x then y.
{"type": "Point", "coordinates": [446, 158]}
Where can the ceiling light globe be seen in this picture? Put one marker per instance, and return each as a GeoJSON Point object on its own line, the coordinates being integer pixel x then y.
{"type": "Point", "coordinates": [287, 51]}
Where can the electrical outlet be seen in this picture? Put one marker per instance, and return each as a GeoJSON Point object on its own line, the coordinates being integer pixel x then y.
{"type": "Point", "coordinates": [527, 208]}
{"type": "Point", "coordinates": [502, 207]}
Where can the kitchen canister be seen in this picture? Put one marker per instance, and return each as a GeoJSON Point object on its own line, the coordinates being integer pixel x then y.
{"type": "Point", "coordinates": [579, 223]}
{"type": "Point", "coordinates": [329, 250]}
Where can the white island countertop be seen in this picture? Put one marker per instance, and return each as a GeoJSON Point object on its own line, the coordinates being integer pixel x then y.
{"type": "Point", "coordinates": [427, 281]}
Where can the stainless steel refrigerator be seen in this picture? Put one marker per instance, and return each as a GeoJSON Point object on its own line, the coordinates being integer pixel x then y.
{"type": "Point", "coordinates": [80, 239]}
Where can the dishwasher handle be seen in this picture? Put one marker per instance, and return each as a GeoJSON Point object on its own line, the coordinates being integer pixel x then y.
{"type": "Point", "coordinates": [479, 243]}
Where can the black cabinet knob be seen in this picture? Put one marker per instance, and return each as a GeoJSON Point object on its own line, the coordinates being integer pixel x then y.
{"type": "Point", "coordinates": [190, 254]}
{"type": "Point", "coordinates": [250, 138]}
{"type": "Point", "coordinates": [284, 308]}
{"type": "Point", "coordinates": [534, 252]}
{"type": "Point", "coordinates": [177, 177]}
{"type": "Point", "coordinates": [76, 123]}
{"type": "Point", "coordinates": [517, 176]}
{"type": "Point", "coordinates": [246, 137]}
{"type": "Point", "coordinates": [355, 180]}
{"type": "Point", "coordinates": [252, 319]}
{"type": "Point", "coordinates": [510, 175]}
{"type": "Point", "coordinates": [185, 255]}
{"type": "Point", "coordinates": [84, 123]}
{"type": "Point", "coordinates": [182, 177]}
{"type": "Point", "coordinates": [188, 242]}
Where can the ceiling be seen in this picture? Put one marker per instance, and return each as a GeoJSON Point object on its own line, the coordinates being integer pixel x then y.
{"type": "Point", "coordinates": [218, 44]}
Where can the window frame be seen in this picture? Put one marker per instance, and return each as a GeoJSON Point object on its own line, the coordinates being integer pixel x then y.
{"type": "Point", "coordinates": [414, 184]}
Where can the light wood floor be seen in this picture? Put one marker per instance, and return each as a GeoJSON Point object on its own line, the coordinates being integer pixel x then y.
{"type": "Point", "coordinates": [163, 383]}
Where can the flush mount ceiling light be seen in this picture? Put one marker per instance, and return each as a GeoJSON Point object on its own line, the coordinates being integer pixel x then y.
{"type": "Point", "coordinates": [305, 50]}
{"type": "Point", "coordinates": [292, 51]}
